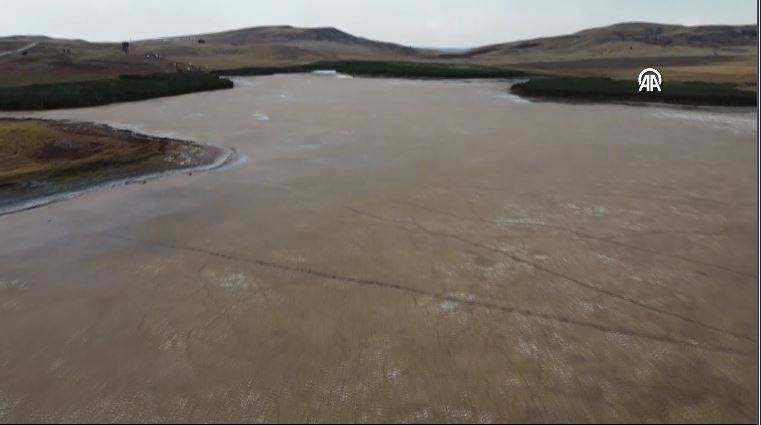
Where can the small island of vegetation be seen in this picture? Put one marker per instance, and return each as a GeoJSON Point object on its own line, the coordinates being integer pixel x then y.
{"type": "Point", "coordinates": [389, 69]}
{"type": "Point", "coordinates": [589, 89]}
{"type": "Point", "coordinates": [101, 92]}
{"type": "Point", "coordinates": [43, 158]}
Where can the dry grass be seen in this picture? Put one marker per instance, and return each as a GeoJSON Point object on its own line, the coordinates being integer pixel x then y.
{"type": "Point", "coordinates": [740, 70]}
{"type": "Point", "coordinates": [42, 157]}
{"type": "Point", "coordinates": [31, 148]}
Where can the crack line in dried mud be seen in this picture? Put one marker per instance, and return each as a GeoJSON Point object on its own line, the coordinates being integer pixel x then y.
{"type": "Point", "coordinates": [473, 303]}
{"type": "Point", "coordinates": [555, 273]}
{"type": "Point", "coordinates": [611, 241]}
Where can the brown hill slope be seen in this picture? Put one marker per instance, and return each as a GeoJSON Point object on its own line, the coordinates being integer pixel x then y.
{"type": "Point", "coordinates": [53, 60]}
{"type": "Point", "coordinates": [46, 60]}
{"type": "Point", "coordinates": [275, 45]}
{"type": "Point", "coordinates": [718, 53]}
{"type": "Point", "coordinates": [632, 39]}
{"type": "Point", "coordinates": [288, 35]}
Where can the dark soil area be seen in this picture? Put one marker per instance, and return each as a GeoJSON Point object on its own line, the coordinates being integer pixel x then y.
{"type": "Point", "coordinates": [609, 90]}
{"type": "Point", "coordinates": [100, 92]}
{"type": "Point", "coordinates": [385, 69]}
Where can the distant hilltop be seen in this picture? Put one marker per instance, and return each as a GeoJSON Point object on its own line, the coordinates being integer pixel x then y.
{"type": "Point", "coordinates": [318, 38]}
{"type": "Point", "coordinates": [632, 39]}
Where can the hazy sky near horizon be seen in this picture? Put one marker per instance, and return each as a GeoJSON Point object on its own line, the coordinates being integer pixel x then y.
{"type": "Point", "coordinates": [427, 23]}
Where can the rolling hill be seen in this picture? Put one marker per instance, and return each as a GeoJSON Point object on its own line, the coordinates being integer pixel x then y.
{"type": "Point", "coordinates": [721, 53]}
{"type": "Point", "coordinates": [326, 38]}
{"type": "Point", "coordinates": [632, 39]}
{"type": "Point", "coordinates": [57, 60]}
{"type": "Point", "coordinates": [275, 45]}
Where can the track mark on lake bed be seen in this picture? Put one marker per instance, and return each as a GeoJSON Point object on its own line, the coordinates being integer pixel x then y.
{"type": "Point", "coordinates": [440, 296]}
{"type": "Point", "coordinates": [544, 269]}
{"type": "Point", "coordinates": [611, 241]}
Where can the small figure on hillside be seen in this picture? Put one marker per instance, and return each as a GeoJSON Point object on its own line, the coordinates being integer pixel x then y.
{"type": "Point", "coordinates": [125, 47]}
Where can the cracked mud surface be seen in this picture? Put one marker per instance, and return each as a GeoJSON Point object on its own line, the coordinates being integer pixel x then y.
{"type": "Point", "coordinates": [403, 251]}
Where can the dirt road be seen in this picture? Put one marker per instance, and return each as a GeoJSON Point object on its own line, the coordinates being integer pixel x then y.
{"type": "Point", "coordinates": [20, 50]}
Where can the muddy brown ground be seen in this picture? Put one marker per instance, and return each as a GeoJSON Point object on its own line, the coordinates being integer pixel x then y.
{"type": "Point", "coordinates": [397, 251]}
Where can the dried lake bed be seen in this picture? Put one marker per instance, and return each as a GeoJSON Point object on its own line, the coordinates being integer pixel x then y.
{"type": "Point", "coordinates": [396, 251]}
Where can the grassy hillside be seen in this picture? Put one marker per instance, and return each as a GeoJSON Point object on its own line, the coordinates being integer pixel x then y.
{"type": "Point", "coordinates": [328, 38]}
{"type": "Point", "coordinates": [60, 60]}
{"type": "Point", "coordinates": [718, 54]}
{"type": "Point", "coordinates": [635, 39]}
{"type": "Point", "coordinates": [101, 92]}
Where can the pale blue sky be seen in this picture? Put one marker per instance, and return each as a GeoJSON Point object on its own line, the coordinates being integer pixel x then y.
{"type": "Point", "coordinates": [431, 23]}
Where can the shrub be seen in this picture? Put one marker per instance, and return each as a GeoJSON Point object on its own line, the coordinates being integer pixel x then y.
{"type": "Point", "coordinates": [385, 69]}
{"type": "Point", "coordinates": [100, 92]}
{"type": "Point", "coordinates": [606, 89]}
